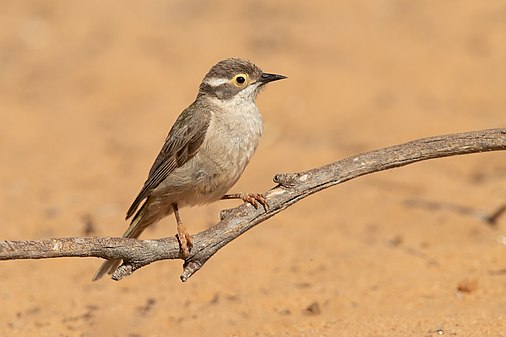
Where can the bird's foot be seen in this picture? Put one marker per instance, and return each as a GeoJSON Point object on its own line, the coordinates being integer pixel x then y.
{"type": "Point", "coordinates": [253, 198]}
{"type": "Point", "coordinates": [185, 241]}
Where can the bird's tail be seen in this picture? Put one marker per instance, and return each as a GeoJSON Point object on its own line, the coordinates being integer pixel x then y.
{"type": "Point", "coordinates": [137, 226]}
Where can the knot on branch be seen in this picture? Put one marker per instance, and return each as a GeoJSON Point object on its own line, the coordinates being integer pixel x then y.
{"type": "Point", "coordinates": [287, 179]}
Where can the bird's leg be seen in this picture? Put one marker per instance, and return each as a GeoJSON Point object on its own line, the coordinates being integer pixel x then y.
{"type": "Point", "coordinates": [252, 198]}
{"type": "Point", "coordinates": [185, 240]}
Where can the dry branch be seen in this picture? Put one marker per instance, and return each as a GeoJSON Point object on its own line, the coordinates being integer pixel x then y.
{"type": "Point", "coordinates": [291, 187]}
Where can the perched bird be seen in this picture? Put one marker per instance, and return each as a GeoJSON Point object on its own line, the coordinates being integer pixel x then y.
{"type": "Point", "coordinates": [205, 152]}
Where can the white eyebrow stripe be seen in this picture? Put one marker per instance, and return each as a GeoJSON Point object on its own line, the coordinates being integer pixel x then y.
{"type": "Point", "coordinates": [214, 81]}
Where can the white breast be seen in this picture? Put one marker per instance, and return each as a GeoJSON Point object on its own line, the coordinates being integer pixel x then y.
{"type": "Point", "coordinates": [233, 135]}
{"type": "Point", "coordinates": [235, 130]}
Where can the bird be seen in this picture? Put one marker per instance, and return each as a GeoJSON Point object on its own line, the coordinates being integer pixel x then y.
{"type": "Point", "coordinates": [205, 152]}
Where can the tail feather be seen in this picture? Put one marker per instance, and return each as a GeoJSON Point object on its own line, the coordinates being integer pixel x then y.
{"type": "Point", "coordinates": [135, 229]}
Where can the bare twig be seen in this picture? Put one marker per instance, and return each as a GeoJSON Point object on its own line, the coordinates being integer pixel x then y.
{"type": "Point", "coordinates": [291, 188]}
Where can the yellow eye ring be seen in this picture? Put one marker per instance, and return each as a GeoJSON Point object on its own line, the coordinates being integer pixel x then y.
{"type": "Point", "coordinates": [240, 80]}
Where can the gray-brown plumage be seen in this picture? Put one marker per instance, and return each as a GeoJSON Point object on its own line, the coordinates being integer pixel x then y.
{"type": "Point", "coordinates": [205, 152]}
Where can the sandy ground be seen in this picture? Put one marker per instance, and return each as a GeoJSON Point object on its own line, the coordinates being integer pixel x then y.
{"type": "Point", "coordinates": [88, 91]}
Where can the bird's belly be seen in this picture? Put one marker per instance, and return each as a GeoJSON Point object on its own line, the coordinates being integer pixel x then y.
{"type": "Point", "coordinates": [229, 145]}
{"type": "Point", "coordinates": [207, 176]}
{"type": "Point", "coordinates": [219, 169]}
{"type": "Point", "coordinates": [219, 163]}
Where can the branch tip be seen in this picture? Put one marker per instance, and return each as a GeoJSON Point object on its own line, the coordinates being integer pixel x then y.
{"type": "Point", "coordinates": [190, 269]}
{"type": "Point", "coordinates": [122, 271]}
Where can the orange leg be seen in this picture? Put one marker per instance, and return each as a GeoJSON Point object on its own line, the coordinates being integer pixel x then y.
{"type": "Point", "coordinates": [185, 240]}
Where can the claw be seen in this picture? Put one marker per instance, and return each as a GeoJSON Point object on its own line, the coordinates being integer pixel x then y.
{"type": "Point", "coordinates": [185, 244]}
{"type": "Point", "coordinates": [254, 199]}
{"type": "Point", "coordinates": [189, 241]}
{"type": "Point", "coordinates": [251, 198]}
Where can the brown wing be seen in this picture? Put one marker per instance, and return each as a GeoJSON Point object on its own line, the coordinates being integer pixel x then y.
{"type": "Point", "coordinates": [181, 144]}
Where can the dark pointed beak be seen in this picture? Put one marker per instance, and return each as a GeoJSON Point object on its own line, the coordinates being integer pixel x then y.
{"type": "Point", "coordinates": [266, 78]}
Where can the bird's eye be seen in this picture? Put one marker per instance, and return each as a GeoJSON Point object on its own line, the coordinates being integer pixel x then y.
{"type": "Point", "coordinates": [240, 80]}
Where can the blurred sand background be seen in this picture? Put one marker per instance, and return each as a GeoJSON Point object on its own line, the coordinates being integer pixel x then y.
{"type": "Point", "coordinates": [89, 90]}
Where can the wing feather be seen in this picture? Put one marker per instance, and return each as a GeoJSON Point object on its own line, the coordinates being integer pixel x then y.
{"type": "Point", "coordinates": [182, 143]}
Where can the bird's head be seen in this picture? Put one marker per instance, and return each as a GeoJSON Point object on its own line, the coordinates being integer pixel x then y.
{"type": "Point", "coordinates": [235, 78]}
